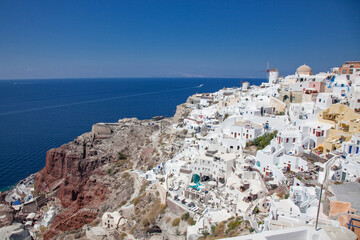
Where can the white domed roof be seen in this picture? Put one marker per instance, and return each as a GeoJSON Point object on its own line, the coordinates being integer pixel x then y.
{"type": "Point", "coordinates": [304, 69]}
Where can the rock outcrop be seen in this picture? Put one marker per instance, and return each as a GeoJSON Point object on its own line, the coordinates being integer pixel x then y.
{"type": "Point", "coordinates": [15, 231]}
{"type": "Point", "coordinates": [6, 215]}
{"type": "Point", "coordinates": [181, 113]}
{"type": "Point", "coordinates": [68, 171]}
{"type": "Point", "coordinates": [79, 171]}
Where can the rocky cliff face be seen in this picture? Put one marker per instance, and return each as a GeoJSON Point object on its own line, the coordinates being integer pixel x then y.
{"type": "Point", "coordinates": [68, 170]}
{"type": "Point", "coordinates": [79, 171]}
{"type": "Point", "coordinates": [181, 113]}
{"type": "Point", "coordinates": [6, 213]}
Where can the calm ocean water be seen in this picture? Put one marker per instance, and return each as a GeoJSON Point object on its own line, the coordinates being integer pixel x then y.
{"type": "Point", "coordinates": [36, 115]}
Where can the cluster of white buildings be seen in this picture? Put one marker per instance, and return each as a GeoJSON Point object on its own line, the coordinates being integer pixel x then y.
{"type": "Point", "coordinates": [217, 175]}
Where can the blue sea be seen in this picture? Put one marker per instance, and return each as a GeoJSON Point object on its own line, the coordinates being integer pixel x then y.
{"type": "Point", "coordinates": [37, 115]}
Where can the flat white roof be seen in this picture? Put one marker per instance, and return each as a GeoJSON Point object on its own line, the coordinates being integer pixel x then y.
{"type": "Point", "coordinates": [301, 233]}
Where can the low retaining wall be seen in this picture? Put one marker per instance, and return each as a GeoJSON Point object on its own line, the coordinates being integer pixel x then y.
{"type": "Point", "coordinates": [175, 207]}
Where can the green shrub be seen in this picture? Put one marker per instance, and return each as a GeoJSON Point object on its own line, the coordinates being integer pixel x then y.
{"type": "Point", "coordinates": [191, 221]}
{"type": "Point", "coordinates": [185, 216]}
{"type": "Point", "coordinates": [136, 201]}
{"type": "Point", "coordinates": [175, 222]}
{"type": "Point", "coordinates": [262, 141]}
{"type": "Point", "coordinates": [121, 156]}
{"type": "Point", "coordinates": [143, 186]}
{"type": "Point", "coordinates": [233, 224]}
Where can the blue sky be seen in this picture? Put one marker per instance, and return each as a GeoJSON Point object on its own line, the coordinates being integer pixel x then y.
{"type": "Point", "coordinates": [70, 39]}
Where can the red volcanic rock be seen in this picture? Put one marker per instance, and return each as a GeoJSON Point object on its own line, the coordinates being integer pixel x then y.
{"type": "Point", "coordinates": [57, 164]}
{"type": "Point", "coordinates": [80, 212]}
{"type": "Point", "coordinates": [67, 221]}
{"type": "Point", "coordinates": [68, 170]}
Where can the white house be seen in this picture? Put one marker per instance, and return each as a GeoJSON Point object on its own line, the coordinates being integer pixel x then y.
{"type": "Point", "coordinates": [324, 100]}
{"type": "Point", "coordinates": [352, 146]}
{"type": "Point", "coordinates": [339, 85]}
{"type": "Point", "coordinates": [218, 167]}
{"type": "Point", "coordinates": [112, 220]}
{"type": "Point", "coordinates": [304, 197]}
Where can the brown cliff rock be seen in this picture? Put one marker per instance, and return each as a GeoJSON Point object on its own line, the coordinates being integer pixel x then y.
{"type": "Point", "coordinates": [80, 212]}
{"type": "Point", "coordinates": [68, 171]}
{"type": "Point", "coordinates": [7, 215]}
{"type": "Point", "coordinates": [68, 221]}
{"type": "Point", "coordinates": [88, 174]}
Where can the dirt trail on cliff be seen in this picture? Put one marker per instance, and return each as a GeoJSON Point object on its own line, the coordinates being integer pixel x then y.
{"type": "Point", "coordinates": [138, 182]}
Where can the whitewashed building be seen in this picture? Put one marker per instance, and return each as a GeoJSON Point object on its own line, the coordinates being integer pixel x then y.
{"type": "Point", "coordinates": [112, 220]}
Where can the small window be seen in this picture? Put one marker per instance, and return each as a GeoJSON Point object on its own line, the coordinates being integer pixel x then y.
{"type": "Point", "coordinates": [344, 71]}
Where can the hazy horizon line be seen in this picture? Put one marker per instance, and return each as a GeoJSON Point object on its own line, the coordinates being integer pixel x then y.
{"type": "Point", "coordinates": [179, 77]}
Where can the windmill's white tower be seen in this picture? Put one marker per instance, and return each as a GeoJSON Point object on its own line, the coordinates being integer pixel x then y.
{"type": "Point", "coordinates": [273, 76]}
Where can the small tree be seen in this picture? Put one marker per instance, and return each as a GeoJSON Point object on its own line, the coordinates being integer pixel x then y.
{"type": "Point", "coordinates": [121, 156]}
{"type": "Point", "coordinates": [185, 216]}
